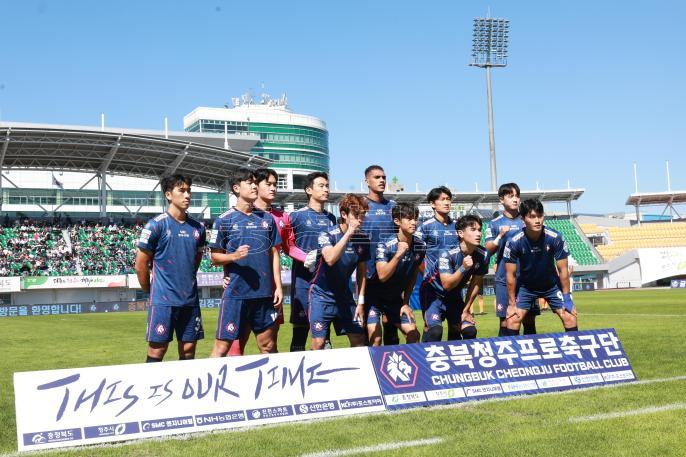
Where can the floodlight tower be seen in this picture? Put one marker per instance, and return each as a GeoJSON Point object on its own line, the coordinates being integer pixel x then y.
{"type": "Point", "coordinates": [489, 49]}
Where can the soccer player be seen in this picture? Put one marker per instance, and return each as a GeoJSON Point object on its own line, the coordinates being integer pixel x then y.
{"type": "Point", "coordinates": [245, 241]}
{"type": "Point", "coordinates": [498, 232]}
{"type": "Point", "coordinates": [458, 268]}
{"type": "Point", "coordinates": [343, 250]}
{"type": "Point", "coordinates": [267, 180]}
{"type": "Point", "coordinates": [398, 259]}
{"type": "Point", "coordinates": [307, 224]}
{"type": "Point", "coordinates": [439, 233]}
{"type": "Point", "coordinates": [542, 255]}
{"type": "Point", "coordinates": [172, 244]}
{"type": "Point", "coordinates": [378, 224]}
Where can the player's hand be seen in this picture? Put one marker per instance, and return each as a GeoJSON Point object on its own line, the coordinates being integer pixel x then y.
{"type": "Point", "coordinates": [353, 225]}
{"type": "Point", "coordinates": [467, 316]}
{"type": "Point", "coordinates": [407, 311]}
{"type": "Point", "coordinates": [225, 282]}
{"type": "Point", "coordinates": [278, 298]}
{"type": "Point", "coordinates": [403, 247]}
{"type": "Point", "coordinates": [503, 230]}
{"type": "Point", "coordinates": [568, 304]}
{"type": "Point", "coordinates": [511, 310]}
{"type": "Point", "coordinates": [242, 252]}
{"type": "Point", "coordinates": [467, 262]}
{"type": "Point", "coordinates": [359, 314]}
{"type": "Point", "coordinates": [311, 261]}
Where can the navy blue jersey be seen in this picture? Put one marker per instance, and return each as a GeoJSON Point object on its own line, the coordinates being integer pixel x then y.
{"type": "Point", "coordinates": [307, 225]}
{"type": "Point", "coordinates": [378, 224]}
{"type": "Point", "coordinates": [252, 276]}
{"type": "Point", "coordinates": [537, 269]}
{"type": "Point", "coordinates": [438, 237]}
{"type": "Point", "coordinates": [333, 282]}
{"type": "Point", "coordinates": [451, 260]}
{"type": "Point", "coordinates": [492, 232]}
{"type": "Point", "coordinates": [392, 288]}
{"type": "Point", "coordinates": [175, 246]}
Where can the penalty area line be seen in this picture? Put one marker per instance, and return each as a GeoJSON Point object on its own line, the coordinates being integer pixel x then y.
{"type": "Point", "coordinates": [375, 448]}
{"type": "Point", "coordinates": [631, 412]}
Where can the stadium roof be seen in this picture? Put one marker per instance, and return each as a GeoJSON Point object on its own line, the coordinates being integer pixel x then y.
{"type": "Point", "coordinates": [657, 198]}
{"type": "Point", "coordinates": [473, 198]}
{"type": "Point", "coordinates": [140, 153]}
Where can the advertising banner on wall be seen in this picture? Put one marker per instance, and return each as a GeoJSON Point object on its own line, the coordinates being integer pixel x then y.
{"type": "Point", "coordinates": [60, 408]}
{"type": "Point", "coordinates": [457, 371]}
{"type": "Point", "coordinates": [659, 263]}
{"type": "Point", "coordinates": [73, 282]}
{"type": "Point", "coordinates": [11, 284]}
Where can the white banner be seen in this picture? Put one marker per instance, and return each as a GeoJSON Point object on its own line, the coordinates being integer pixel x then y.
{"type": "Point", "coordinates": [12, 284]}
{"type": "Point", "coordinates": [60, 408]}
{"type": "Point", "coordinates": [659, 263]}
{"type": "Point", "coordinates": [73, 282]}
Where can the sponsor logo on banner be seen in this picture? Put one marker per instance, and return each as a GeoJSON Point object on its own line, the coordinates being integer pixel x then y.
{"type": "Point", "coordinates": [12, 284]}
{"type": "Point", "coordinates": [101, 404]}
{"type": "Point", "coordinates": [455, 371]}
{"type": "Point", "coordinates": [73, 282]}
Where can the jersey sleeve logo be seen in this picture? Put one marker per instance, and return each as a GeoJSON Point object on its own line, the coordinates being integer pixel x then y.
{"type": "Point", "coordinates": [145, 236]}
{"type": "Point", "coordinates": [507, 252]}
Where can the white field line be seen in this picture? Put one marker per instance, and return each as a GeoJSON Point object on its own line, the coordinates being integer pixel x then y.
{"type": "Point", "coordinates": [634, 315]}
{"type": "Point", "coordinates": [631, 412]}
{"type": "Point", "coordinates": [188, 436]}
{"type": "Point", "coordinates": [376, 448]}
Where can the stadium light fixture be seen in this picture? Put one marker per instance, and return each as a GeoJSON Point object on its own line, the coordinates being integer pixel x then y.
{"type": "Point", "coordinates": [490, 39]}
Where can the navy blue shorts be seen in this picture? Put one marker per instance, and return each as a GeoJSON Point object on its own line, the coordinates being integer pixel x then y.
{"type": "Point", "coordinates": [436, 309]}
{"type": "Point", "coordinates": [502, 301]}
{"type": "Point", "coordinates": [300, 290]}
{"type": "Point", "coordinates": [237, 316]}
{"type": "Point", "coordinates": [527, 299]}
{"type": "Point", "coordinates": [324, 311]}
{"type": "Point", "coordinates": [164, 321]}
{"type": "Point", "coordinates": [391, 308]}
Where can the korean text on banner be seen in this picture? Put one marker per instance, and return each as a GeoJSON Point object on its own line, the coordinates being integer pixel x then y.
{"type": "Point", "coordinates": [456, 371]}
{"type": "Point", "coordinates": [60, 408]}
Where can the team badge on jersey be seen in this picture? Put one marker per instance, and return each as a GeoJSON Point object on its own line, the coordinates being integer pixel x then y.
{"type": "Point", "coordinates": [196, 234]}
{"type": "Point", "coordinates": [264, 224]}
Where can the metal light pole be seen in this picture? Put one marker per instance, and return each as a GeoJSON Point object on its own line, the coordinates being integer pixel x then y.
{"type": "Point", "coordinates": [489, 49]}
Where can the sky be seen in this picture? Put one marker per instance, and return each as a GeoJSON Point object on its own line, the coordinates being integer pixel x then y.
{"type": "Point", "coordinates": [590, 87]}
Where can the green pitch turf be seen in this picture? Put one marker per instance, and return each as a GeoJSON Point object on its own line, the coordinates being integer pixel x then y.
{"type": "Point", "coordinates": [650, 323]}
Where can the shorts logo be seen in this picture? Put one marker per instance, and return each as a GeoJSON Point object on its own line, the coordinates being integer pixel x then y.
{"type": "Point", "coordinates": [499, 306]}
{"type": "Point", "coordinates": [160, 329]}
{"type": "Point", "coordinates": [399, 369]}
{"type": "Point", "coordinates": [435, 317]}
{"type": "Point", "coordinates": [230, 327]}
{"type": "Point", "coordinates": [318, 326]}
{"type": "Point", "coordinates": [372, 313]}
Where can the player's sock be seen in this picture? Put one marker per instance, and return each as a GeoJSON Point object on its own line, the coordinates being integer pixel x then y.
{"type": "Point", "coordinates": [453, 335]}
{"type": "Point", "coordinates": [469, 333]}
{"type": "Point", "coordinates": [299, 339]}
{"type": "Point", "coordinates": [502, 330]}
{"type": "Point", "coordinates": [435, 333]}
{"type": "Point", "coordinates": [152, 359]}
{"type": "Point", "coordinates": [529, 328]}
{"type": "Point", "coordinates": [572, 329]}
{"type": "Point", "coordinates": [390, 334]}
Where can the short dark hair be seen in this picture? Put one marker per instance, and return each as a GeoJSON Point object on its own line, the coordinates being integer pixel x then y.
{"type": "Point", "coordinates": [508, 189]}
{"type": "Point", "coordinates": [169, 182]}
{"type": "Point", "coordinates": [405, 210]}
{"type": "Point", "coordinates": [309, 179]}
{"type": "Point", "coordinates": [530, 205]}
{"type": "Point", "coordinates": [242, 174]}
{"type": "Point", "coordinates": [353, 203]}
{"type": "Point", "coordinates": [262, 174]}
{"type": "Point", "coordinates": [371, 168]}
{"type": "Point", "coordinates": [436, 192]}
{"type": "Point", "coordinates": [468, 220]}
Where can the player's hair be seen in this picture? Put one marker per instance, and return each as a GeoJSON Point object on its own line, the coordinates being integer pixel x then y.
{"type": "Point", "coordinates": [468, 220]}
{"type": "Point", "coordinates": [405, 210]}
{"type": "Point", "coordinates": [435, 193]}
{"type": "Point", "coordinates": [309, 179]}
{"type": "Point", "coordinates": [242, 174]}
{"type": "Point", "coordinates": [508, 188]}
{"type": "Point", "coordinates": [531, 205]}
{"type": "Point", "coordinates": [263, 174]}
{"type": "Point", "coordinates": [169, 182]}
{"type": "Point", "coordinates": [352, 203]}
{"type": "Point", "coordinates": [371, 168]}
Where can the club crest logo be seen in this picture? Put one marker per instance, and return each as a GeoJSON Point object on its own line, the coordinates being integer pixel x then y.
{"type": "Point", "coordinates": [231, 327]}
{"type": "Point", "coordinates": [399, 369]}
{"type": "Point", "coordinates": [318, 326]}
{"type": "Point", "coordinates": [265, 225]}
{"type": "Point", "coordinates": [160, 329]}
{"type": "Point", "coordinates": [196, 234]}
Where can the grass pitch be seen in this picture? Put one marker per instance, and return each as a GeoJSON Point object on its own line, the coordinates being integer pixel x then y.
{"type": "Point", "coordinates": [650, 323]}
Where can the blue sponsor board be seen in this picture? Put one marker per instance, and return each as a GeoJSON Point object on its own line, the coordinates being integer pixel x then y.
{"type": "Point", "coordinates": [167, 424]}
{"type": "Point", "coordinates": [227, 417]}
{"type": "Point", "coordinates": [53, 436]}
{"type": "Point", "coordinates": [270, 412]}
{"type": "Point", "coordinates": [316, 407]}
{"type": "Point", "coordinates": [360, 402]}
{"type": "Point", "coordinates": [678, 283]}
{"type": "Point", "coordinates": [456, 371]}
{"type": "Point", "coordinates": [100, 431]}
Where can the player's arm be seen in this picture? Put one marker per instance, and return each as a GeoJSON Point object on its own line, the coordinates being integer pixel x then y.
{"type": "Point", "coordinates": [219, 241]}
{"type": "Point", "coordinates": [406, 309]}
{"type": "Point", "coordinates": [332, 253]}
{"type": "Point", "coordinates": [475, 284]}
{"type": "Point", "coordinates": [142, 267]}
{"type": "Point", "coordinates": [450, 279]}
{"type": "Point", "coordinates": [361, 278]}
{"type": "Point", "coordinates": [492, 242]}
{"type": "Point", "coordinates": [288, 241]}
{"type": "Point", "coordinates": [276, 273]}
{"type": "Point", "coordinates": [385, 267]}
{"type": "Point", "coordinates": [201, 250]}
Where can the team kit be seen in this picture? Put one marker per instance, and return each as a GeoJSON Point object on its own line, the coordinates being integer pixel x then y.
{"type": "Point", "coordinates": [378, 240]}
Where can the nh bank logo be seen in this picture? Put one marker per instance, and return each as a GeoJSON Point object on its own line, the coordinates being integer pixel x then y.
{"type": "Point", "coordinates": [399, 369]}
